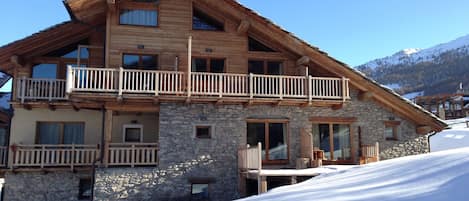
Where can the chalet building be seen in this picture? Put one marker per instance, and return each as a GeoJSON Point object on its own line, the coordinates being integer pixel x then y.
{"type": "Point", "coordinates": [159, 100]}
{"type": "Point", "coordinates": [446, 106]}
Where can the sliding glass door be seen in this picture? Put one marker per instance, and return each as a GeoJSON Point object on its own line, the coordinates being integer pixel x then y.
{"type": "Point", "coordinates": [334, 140]}
{"type": "Point", "coordinates": [272, 135]}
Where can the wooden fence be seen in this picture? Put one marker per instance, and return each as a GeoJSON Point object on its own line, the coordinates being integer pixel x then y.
{"type": "Point", "coordinates": [250, 158]}
{"type": "Point", "coordinates": [135, 154]}
{"type": "Point", "coordinates": [41, 89]}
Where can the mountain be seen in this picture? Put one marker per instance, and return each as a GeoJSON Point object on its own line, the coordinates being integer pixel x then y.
{"type": "Point", "coordinates": [436, 70]}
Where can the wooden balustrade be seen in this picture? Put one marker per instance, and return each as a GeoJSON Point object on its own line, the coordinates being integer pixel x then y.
{"type": "Point", "coordinates": [42, 155]}
{"type": "Point", "coordinates": [3, 155]}
{"type": "Point", "coordinates": [206, 84]}
{"type": "Point", "coordinates": [250, 158]}
{"type": "Point", "coordinates": [369, 153]}
{"type": "Point", "coordinates": [133, 154]}
{"type": "Point", "coordinates": [41, 89]}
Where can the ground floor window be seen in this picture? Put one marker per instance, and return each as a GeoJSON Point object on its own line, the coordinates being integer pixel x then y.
{"type": "Point", "coordinates": [199, 191]}
{"type": "Point", "coordinates": [391, 130]}
{"type": "Point", "coordinates": [273, 136]}
{"type": "Point", "coordinates": [60, 133]}
{"type": "Point", "coordinates": [84, 190]}
{"type": "Point", "coordinates": [334, 139]}
{"type": "Point", "coordinates": [133, 133]}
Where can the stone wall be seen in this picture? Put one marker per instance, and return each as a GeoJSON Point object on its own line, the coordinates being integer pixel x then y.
{"type": "Point", "coordinates": [40, 186]}
{"type": "Point", "coordinates": [184, 157]}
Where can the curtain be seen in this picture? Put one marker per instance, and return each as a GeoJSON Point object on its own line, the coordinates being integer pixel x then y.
{"type": "Point", "coordinates": [74, 133]}
{"type": "Point", "coordinates": [49, 133]}
{"type": "Point", "coordinates": [139, 17]}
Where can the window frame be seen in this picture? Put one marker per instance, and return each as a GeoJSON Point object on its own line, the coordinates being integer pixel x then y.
{"type": "Point", "coordinates": [62, 129]}
{"type": "Point", "coordinates": [57, 68]}
{"type": "Point", "coordinates": [131, 5]}
{"type": "Point", "coordinates": [200, 183]}
{"type": "Point", "coordinates": [395, 130]}
{"type": "Point", "coordinates": [124, 132]}
{"type": "Point", "coordinates": [210, 131]}
{"type": "Point", "coordinates": [339, 121]}
{"type": "Point", "coordinates": [215, 18]}
{"type": "Point", "coordinates": [266, 65]}
{"type": "Point", "coordinates": [140, 60]}
{"type": "Point", "coordinates": [209, 63]}
{"type": "Point", "coordinates": [266, 122]}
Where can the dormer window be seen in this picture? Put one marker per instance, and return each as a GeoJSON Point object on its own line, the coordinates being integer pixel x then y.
{"type": "Point", "coordinates": [202, 21]}
{"type": "Point", "coordinates": [138, 17]}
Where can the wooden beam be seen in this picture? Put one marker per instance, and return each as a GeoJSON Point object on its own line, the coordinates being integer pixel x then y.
{"type": "Point", "coordinates": [333, 119]}
{"type": "Point", "coordinates": [17, 60]}
{"type": "Point", "coordinates": [422, 130]}
{"type": "Point", "coordinates": [337, 107]}
{"type": "Point", "coordinates": [107, 135]}
{"type": "Point", "coordinates": [303, 61]}
{"type": "Point", "coordinates": [52, 107]}
{"type": "Point", "coordinates": [243, 27]}
{"type": "Point", "coordinates": [365, 95]}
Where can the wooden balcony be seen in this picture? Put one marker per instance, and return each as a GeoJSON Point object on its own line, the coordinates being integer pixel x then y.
{"type": "Point", "coordinates": [40, 89]}
{"type": "Point", "coordinates": [135, 154]}
{"type": "Point", "coordinates": [46, 156]}
{"type": "Point", "coordinates": [219, 85]}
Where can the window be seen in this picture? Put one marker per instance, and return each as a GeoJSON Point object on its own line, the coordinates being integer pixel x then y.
{"type": "Point", "coordinates": [208, 65]}
{"type": "Point", "coordinates": [202, 21]}
{"type": "Point", "coordinates": [265, 67]}
{"type": "Point", "coordinates": [45, 71]}
{"type": "Point", "coordinates": [203, 132]}
{"type": "Point", "coordinates": [84, 189]}
{"type": "Point", "coordinates": [334, 139]}
{"type": "Point", "coordinates": [60, 133]}
{"type": "Point", "coordinates": [256, 46]}
{"type": "Point", "coordinates": [391, 130]}
{"type": "Point", "coordinates": [273, 137]}
{"type": "Point", "coordinates": [133, 133]}
{"type": "Point", "coordinates": [138, 61]}
{"type": "Point", "coordinates": [138, 17]}
{"type": "Point", "coordinates": [199, 191]}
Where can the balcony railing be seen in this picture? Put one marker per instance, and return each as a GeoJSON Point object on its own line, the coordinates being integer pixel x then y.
{"type": "Point", "coordinates": [41, 89]}
{"type": "Point", "coordinates": [41, 155]}
{"type": "Point", "coordinates": [133, 154]}
{"type": "Point", "coordinates": [123, 81]}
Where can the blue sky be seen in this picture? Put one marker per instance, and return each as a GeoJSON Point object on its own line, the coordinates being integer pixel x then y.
{"type": "Point", "coordinates": [352, 31]}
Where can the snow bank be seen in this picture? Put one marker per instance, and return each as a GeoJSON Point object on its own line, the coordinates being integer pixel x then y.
{"type": "Point", "coordinates": [456, 137]}
{"type": "Point", "coordinates": [438, 176]}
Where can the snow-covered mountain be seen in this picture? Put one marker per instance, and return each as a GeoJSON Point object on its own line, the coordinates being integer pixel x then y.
{"type": "Point", "coordinates": [439, 69]}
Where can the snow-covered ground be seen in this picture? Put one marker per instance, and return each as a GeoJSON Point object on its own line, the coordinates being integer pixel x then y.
{"type": "Point", "coordinates": [456, 137]}
{"type": "Point", "coordinates": [437, 176]}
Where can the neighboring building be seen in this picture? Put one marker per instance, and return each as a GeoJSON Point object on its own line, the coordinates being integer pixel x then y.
{"type": "Point", "coordinates": [452, 106]}
{"type": "Point", "coordinates": [152, 100]}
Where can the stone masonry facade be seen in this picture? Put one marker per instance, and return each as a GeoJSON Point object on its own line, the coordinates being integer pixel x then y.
{"type": "Point", "coordinates": [184, 158]}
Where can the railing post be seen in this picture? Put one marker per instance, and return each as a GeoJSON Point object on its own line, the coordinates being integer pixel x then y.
{"type": "Point", "coordinates": [50, 89]}
{"type": "Point", "coordinates": [121, 80]}
{"type": "Point", "coordinates": [157, 83]}
{"type": "Point", "coordinates": [251, 86]}
{"type": "Point", "coordinates": [310, 88]}
{"type": "Point", "coordinates": [23, 89]}
{"type": "Point", "coordinates": [343, 89]}
{"type": "Point", "coordinates": [43, 155]}
{"type": "Point", "coordinates": [377, 151]}
{"type": "Point", "coordinates": [280, 85]}
{"type": "Point", "coordinates": [132, 156]}
{"type": "Point", "coordinates": [70, 80]}
{"type": "Point", "coordinates": [220, 85]}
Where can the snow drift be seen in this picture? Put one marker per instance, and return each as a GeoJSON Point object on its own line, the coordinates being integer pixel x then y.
{"type": "Point", "coordinates": [437, 176]}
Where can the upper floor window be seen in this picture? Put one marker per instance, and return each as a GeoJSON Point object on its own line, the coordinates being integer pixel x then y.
{"type": "Point", "coordinates": [202, 21]}
{"type": "Point", "coordinates": [45, 71]}
{"type": "Point", "coordinates": [140, 61]}
{"type": "Point", "coordinates": [257, 46]}
{"type": "Point", "coordinates": [208, 65]}
{"type": "Point", "coordinates": [265, 67]}
{"type": "Point", "coordinates": [139, 17]}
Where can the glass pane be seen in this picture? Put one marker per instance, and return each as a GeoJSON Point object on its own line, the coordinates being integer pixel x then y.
{"type": "Point", "coordinates": [149, 62]}
{"type": "Point", "coordinates": [3, 135]}
{"type": "Point", "coordinates": [324, 140]}
{"type": "Point", "coordinates": [199, 65]}
{"type": "Point", "coordinates": [255, 45]}
{"type": "Point", "coordinates": [200, 190]}
{"type": "Point", "coordinates": [201, 21]}
{"type": "Point", "coordinates": [84, 54]}
{"type": "Point", "coordinates": [277, 141]}
{"type": "Point", "coordinates": [49, 133]}
{"type": "Point", "coordinates": [256, 67]}
{"type": "Point", "coordinates": [131, 61]}
{"type": "Point", "coordinates": [217, 65]}
{"type": "Point", "coordinates": [132, 134]}
{"type": "Point", "coordinates": [74, 133]}
{"type": "Point", "coordinates": [139, 17]}
{"type": "Point", "coordinates": [256, 133]}
{"type": "Point", "coordinates": [274, 68]}
{"type": "Point", "coordinates": [203, 132]}
{"type": "Point", "coordinates": [389, 132]}
{"type": "Point", "coordinates": [342, 147]}
{"type": "Point", "coordinates": [45, 71]}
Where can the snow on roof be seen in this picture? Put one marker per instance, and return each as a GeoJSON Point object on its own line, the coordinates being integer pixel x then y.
{"type": "Point", "coordinates": [436, 176]}
{"type": "Point", "coordinates": [456, 137]}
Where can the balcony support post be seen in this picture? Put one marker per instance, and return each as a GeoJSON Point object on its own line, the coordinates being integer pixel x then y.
{"type": "Point", "coordinates": [344, 90]}
{"type": "Point", "coordinates": [189, 66]}
{"type": "Point", "coordinates": [251, 86]}
{"type": "Point", "coordinates": [121, 81]}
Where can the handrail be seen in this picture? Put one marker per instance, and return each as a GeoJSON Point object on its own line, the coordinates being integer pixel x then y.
{"type": "Point", "coordinates": [41, 89]}
{"type": "Point", "coordinates": [133, 154]}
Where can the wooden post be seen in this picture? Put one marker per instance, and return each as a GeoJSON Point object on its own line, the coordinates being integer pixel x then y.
{"type": "Point", "coordinates": [294, 180]}
{"type": "Point", "coordinates": [251, 86]}
{"type": "Point", "coordinates": [43, 155]}
{"type": "Point", "coordinates": [157, 84]}
{"type": "Point", "coordinates": [23, 88]}
{"type": "Point", "coordinates": [310, 88]}
{"type": "Point", "coordinates": [377, 151]}
{"type": "Point", "coordinates": [132, 155]}
{"type": "Point", "coordinates": [121, 80]}
{"type": "Point", "coordinates": [220, 85]}
{"type": "Point", "coordinates": [51, 82]}
{"type": "Point", "coordinates": [261, 184]}
{"type": "Point", "coordinates": [70, 80]}
{"type": "Point", "coordinates": [107, 135]}
{"type": "Point", "coordinates": [343, 90]}
{"type": "Point", "coordinates": [189, 66]}
{"type": "Point", "coordinates": [73, 156]}
{"type": "Point", "coordinates": [281, 87]}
